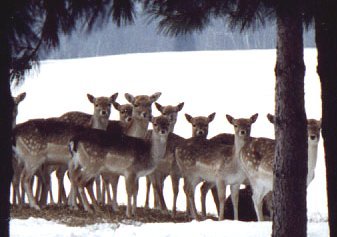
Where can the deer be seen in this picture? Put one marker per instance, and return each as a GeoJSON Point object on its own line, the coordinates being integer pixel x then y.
{"type": "Point", "coordinates": [169, 166]}
{"type": "Point", "coordinates": [125, 117]}
{"type": "Point", "coordinates": [257, 159]}
{"type": "Point", "coordinates": [40, 142]}
{"type": "Point", "coordinates": [214, 162]}
{"type": "Point", "coordinates": [162, 171]}
{"type": "Point", "coordinates": [128, 156]}
{"type": "Point", "coordinates": [17, 167]}
{"type": "Point", "coordinates": [137, 127]}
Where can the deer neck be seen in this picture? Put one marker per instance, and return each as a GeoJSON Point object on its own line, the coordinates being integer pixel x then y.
{"type": "Point", "coordinates": [239, 142]}
{"type": "Point", "coordinates": [138, 128]}
{"type": "Point", "coordinates": [99, 123]}
{"type": "Point", "coordinates": [312, 159]}
{"type": "Point", "coordinates": [158, 147]}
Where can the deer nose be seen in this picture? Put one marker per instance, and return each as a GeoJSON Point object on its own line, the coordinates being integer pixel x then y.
{"type": "Point", "coordinates": [242, 132]}
{"type": "Point", "coordinates": [163, 132]}
{"type": "Point", "coordinates": [103, 112]}
{"type": "Point", "coordinates": [312, 137]}
{"type": "Point", "coordinates": [200, 132]}
{"type": "Point", "coordinates": [128, 119]}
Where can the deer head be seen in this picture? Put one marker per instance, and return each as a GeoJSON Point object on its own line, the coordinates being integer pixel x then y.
{"type": "Point", "coordinates": [125, 112]}
{"type": "Point", "coordinates": [171, 112]}
{"type": "Point", "coordinates": [17, 101]}
{"type": "Point", "coordinates": [200, 124]}
{"type": "Point", "coordinates": [313, 126]}
{"type": "Point", "coordinates": [102, 105]}
{"type": "Point", "coordinates": [242, 127]}
{"type": "Point", "coordinates": [142, 105]}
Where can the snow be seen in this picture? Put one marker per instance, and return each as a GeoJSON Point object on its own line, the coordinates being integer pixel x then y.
{"type": "Point", "coordinates": [239, 83]}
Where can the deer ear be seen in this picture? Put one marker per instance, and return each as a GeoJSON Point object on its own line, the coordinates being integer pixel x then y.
{"type": "Point", "coordinates": [159, 107]}
{"type": "Point", "coordinates": [253, 118]}
{"type": "Point", "coordinates": [91, 98]}
{"type": "Point", "coordinates": [129, 97]}
{"type": "Point", "coordinates": [20, 97]}
{"type": "Point", "coordinates": [180, 106]}
{"type": "Point", "coordinates": [155, 96]}
{"type": "Point", "coordinates": [230, 119]}
{"type": "Point", "coordinates": [271, 118]}
{"type": "Point", "coordinates": [113, 97]}
{"type": "Point", "coordinates": [188, 117]}
{"type": "Point", "coordinates": [211, 117]}
{"type": "Point", "coordinates": [116, 105]}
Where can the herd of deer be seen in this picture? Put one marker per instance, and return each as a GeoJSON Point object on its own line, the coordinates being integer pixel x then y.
{"type": "Point", "coordinates": [92, 148]}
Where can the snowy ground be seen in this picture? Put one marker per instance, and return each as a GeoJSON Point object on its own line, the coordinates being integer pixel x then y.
{"type": "Point", "coordinates": [239, 83]}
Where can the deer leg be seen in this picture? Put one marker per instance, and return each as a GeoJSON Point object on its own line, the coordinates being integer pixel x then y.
{"type": "Point", "coordinates": [175, 187]}
{"type": "Point", "coordinates": [221, 186]}
{"type": "Point", "coordinates": [129, 182]}
{"type": "Point", "coordinates": [85, 201]}
{"type": "Point", "coordinates": [148, 186]}
{"type": "Point", "coordinates": [26, 178]}
{"type": "Point", "coordinates": [105, 189]}
{"type": "Point", "coordinates": [114, 186]}
{"type": "Point", "coordinates": [257, 200]}
{"type": "Point", "coordinates": [98, 189]}
{"type": "Point", "coordinates": [235, 199]}
{"type": "Point", "coordinates": [205, 187]}
{"type": "Point", "coordinates": [135, 194]}
{"type": "Point", "coordinates": [90, 190]}
{"type": "Point", "coordinates": [160, 195]}
{"type": "Point", "coordinates": [189, 188]}
{"type": "Point", "coordinates": [72, 173]}
{"type": "Point", "coordinates": [62, 197]}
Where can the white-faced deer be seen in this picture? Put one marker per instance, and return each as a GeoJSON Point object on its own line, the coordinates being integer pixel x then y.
{"type": "Point", "coordinates": [136, 127]}
{"type": "Point", "coordinates": [125, 117]}
{"type": "Point", "coordinates": [44, 142]}
{"type": "Point", "coordinates": [128, 156]}
{"type": "Point", "coordinates": [98, 120]}
{"type": "Point", "coordinates": [204, 160]}
{"type": "Point", "coordinates": [17, 167]}
{"type": "Point", "coordinates": [314, 131]}
{"type": "Point", "coordinates": [163, 170]}
{"type": "Point", "coordinates": [168, 166]}
{"type": "Point", "coordinates": [263, 184]}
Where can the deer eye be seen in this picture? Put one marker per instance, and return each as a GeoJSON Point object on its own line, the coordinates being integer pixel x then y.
{"type": "Point", "coordinates": [235, 126]}
{"type": "Point", "coordinates": [194, 125]}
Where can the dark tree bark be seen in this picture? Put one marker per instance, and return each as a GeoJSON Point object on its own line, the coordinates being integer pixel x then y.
{"type": "Point", "coordinates": [6, 105]}
{"type": "Point", "coordinates": [290, 166]}
{"type": "Point", "coordinates": [326, 42]}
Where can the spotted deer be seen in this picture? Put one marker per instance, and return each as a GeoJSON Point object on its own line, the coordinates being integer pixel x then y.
{"type": "Point", "coordinates": [162, 171]}
{"type": "Point", "coordinates": [128, 156]}
{"type": "Point", "coordinates": [125, 117]}
{"type": "Point", "coordinates": [99, 120]}
{"type": "Point", "coordinates": [137, 126]}
{"type": "Point", "coordinates": [257, 159]}
{"type": "Point", "coordinates": [214, 162]}
{"type": "Point", "coordinates": [41, 142]}
{"type": "Point", "coordinates": [17, 167]}
{"type": "Point", "coordinates": [169, 165]}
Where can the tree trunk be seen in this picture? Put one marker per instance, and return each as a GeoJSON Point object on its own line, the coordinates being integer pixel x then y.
{"type": "Point", "coordinates": [290, 165]}
{"type": "Point", "coordinates": [326, 42]}
{"type": "Point", "coordinates": [6, 105]}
